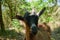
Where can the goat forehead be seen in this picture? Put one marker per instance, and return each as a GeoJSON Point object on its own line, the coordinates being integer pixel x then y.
{"type": "Point", "coordinates": [30, 16]}
{"type": "Point", "coordinates": [33, 16]}
{"type": "Point", "coordinates": [32, 19]}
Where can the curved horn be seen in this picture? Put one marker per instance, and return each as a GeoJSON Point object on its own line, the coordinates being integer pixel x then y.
{"type": "Point", "coordinates": [41, 12]}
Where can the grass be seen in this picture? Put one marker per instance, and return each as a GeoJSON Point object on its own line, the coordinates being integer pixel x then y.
{"type": "Point", "coordinates": [11, 35]}
{"type": "Point", "coordinates": [56, 34]}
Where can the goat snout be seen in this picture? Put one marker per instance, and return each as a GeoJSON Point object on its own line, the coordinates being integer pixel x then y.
{"type": "Point", "coordinates": [34, 29]}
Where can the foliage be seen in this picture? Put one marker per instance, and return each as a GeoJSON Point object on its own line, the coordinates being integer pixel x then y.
{"type": "Point", "coordinates": [11, 8]}
{"type": "Point", "coordinates": [16, 23]}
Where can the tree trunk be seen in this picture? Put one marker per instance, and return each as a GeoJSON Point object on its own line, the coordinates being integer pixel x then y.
{"type": "Point", "coordinates": [1, 19]}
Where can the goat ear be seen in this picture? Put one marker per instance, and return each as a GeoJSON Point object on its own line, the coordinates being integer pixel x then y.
{"type": "Point", "coordinates": [41, 12]}
{"type": "Point", "coordinates": [19, 17]}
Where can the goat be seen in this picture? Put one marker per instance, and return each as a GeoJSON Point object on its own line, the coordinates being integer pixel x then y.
{"type": "Point", "coordinates": [33, 30]}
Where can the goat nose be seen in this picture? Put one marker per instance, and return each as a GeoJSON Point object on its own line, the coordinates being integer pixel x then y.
{"type": "Point", "coordinates": [34, 29]}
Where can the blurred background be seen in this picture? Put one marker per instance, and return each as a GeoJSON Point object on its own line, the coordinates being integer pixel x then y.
{"type": "Point", "coordinates": [13, 29]}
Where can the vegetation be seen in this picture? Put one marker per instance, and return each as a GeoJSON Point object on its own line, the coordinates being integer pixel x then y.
{"type": "Point", "coordinates": [10, 8]}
